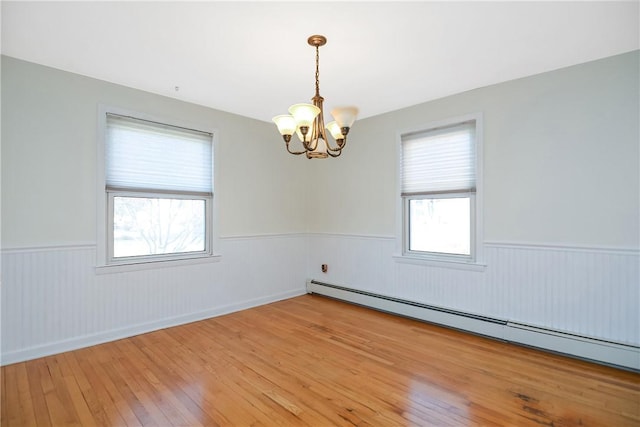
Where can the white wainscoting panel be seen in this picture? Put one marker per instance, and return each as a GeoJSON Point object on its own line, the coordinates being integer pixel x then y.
{"type": "Point", "coordinates": [592, 292]}
{"type": "Point", "coordinates": [53, 301]}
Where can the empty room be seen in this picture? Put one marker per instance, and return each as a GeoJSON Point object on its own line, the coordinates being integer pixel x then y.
{"type": "Point", "coordinates": [320, 213]}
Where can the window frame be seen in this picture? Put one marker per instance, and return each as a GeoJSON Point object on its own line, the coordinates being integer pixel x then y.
{"type": "Point", "coordinates": [105, 261]}
{"type": "Point", "coordinates": [473, 261]}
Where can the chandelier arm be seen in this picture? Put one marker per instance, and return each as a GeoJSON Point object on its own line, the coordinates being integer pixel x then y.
{"type": "Point", "coordinates": [295, 152]}
{"type": "Point", "coordinates": [338, 146]}
{"type": "Point", "coordinates": [329, 152]}
{"type": "Point", "coordinates": [307, 144]}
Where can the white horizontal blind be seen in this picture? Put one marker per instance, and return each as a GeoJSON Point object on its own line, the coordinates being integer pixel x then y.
{"type": "Point", "coordinates": [439, 160]}
{"type": "Point", "coordinates": [147, 156]}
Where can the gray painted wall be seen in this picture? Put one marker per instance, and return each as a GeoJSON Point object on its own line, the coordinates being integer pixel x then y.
{"type": "Point", "coordinates": [49, 134]}
{"type": "Point", "coordinates": [561, 160]}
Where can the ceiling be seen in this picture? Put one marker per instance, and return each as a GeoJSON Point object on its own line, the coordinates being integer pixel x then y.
{"type": "Point", "coordinates": [252, 58]}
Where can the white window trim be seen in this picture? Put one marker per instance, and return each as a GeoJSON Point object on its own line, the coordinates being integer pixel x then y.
{"type": "Point", "coordinates": [104, 261]}
{"type": "Point", "coordinates": [402, 255]}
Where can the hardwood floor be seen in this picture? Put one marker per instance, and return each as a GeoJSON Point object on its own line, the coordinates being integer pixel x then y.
{"type": "Point", "coordinates": [318, 362]}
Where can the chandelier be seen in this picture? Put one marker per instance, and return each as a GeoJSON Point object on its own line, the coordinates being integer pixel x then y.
{"type": "Point", "coordinates": [307, 120]}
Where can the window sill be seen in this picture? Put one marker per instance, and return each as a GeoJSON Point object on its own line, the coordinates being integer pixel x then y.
{"type": "Point", "coordinates": [151, 265]}
{"type": "Point", "coordinates": [431, 262]}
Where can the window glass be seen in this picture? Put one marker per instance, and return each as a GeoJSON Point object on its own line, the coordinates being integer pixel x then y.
{"type": "Point", "coordinates": [440, 225]}
{"type": "Point", "coordinates": [154, 226]}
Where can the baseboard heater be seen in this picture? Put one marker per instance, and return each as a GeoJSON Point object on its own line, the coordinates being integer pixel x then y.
{"type": "Point", "coordinates": [600, 351]}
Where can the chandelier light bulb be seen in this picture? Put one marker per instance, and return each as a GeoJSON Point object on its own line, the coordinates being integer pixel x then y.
{"type": "Point", "coordinates": [345, 116]}
{"type": "Point", "coordinates": [304, 114]}
{"type": "Point", "coordinates": [334, 130]}
{"type": "Point", "coordinates": [286, 124]}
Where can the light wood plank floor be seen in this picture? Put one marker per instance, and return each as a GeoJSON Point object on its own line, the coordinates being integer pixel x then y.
{"type": "Point", "coordinates": [318, 362]}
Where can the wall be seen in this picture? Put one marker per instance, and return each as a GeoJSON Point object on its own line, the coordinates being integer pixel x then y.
{"type": "Point", "coordinates": [561, 204]}
{"type": "Point", "coordinates": [52, 298]}
{"type": "Point", "coordinates": [560, 159]}
{"type": "Point", "coordinates": [561, 198]}
{"type": "Point", "coordinates": [49, 170]}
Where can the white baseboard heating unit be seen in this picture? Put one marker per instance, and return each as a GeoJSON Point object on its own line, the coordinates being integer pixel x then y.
{"type": "Point", "coordinates": [610, 353]}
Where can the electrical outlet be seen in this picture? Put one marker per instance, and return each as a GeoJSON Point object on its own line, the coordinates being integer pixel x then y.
{"type": "Point", "coordinates": [324, 268]}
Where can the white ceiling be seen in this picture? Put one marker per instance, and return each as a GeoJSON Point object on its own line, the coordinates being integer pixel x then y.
{"type": "Point", "coordinates": [252, 58]}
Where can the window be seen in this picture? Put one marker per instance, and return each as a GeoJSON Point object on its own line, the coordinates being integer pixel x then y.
{"type": "Point", "coordinates": [439, 191]}
{"type": "Point", "coordinates": [158, 191]}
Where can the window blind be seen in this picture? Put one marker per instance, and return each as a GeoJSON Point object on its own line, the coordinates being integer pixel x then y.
{"type": "Point", "coordinates": [439, 161]}
{"type": "Point", "coordinates": [147, 156]}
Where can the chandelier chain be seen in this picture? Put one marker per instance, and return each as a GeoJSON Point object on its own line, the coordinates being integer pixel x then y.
{"type": "Point", "coordinates": [317, 71]}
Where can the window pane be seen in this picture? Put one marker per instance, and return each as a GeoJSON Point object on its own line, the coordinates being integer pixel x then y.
{"type": "Point", "coordinates": [154, 226]}
{"type": "Point", "coordinates": [440, 225]}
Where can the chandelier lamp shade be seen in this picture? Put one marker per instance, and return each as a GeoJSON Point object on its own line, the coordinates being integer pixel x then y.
{"type": "Point", "coordinates": [307, 121]}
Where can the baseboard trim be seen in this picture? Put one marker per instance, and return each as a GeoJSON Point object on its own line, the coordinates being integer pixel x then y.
{"type": "Point", "coordinates": [619, 355]}
{"type": "Point", "coordinates": [477, 324]}
{"type": "Point", "coordinates": [595, 350]}
{"type": "Point", "coordinates": [142, 328]}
